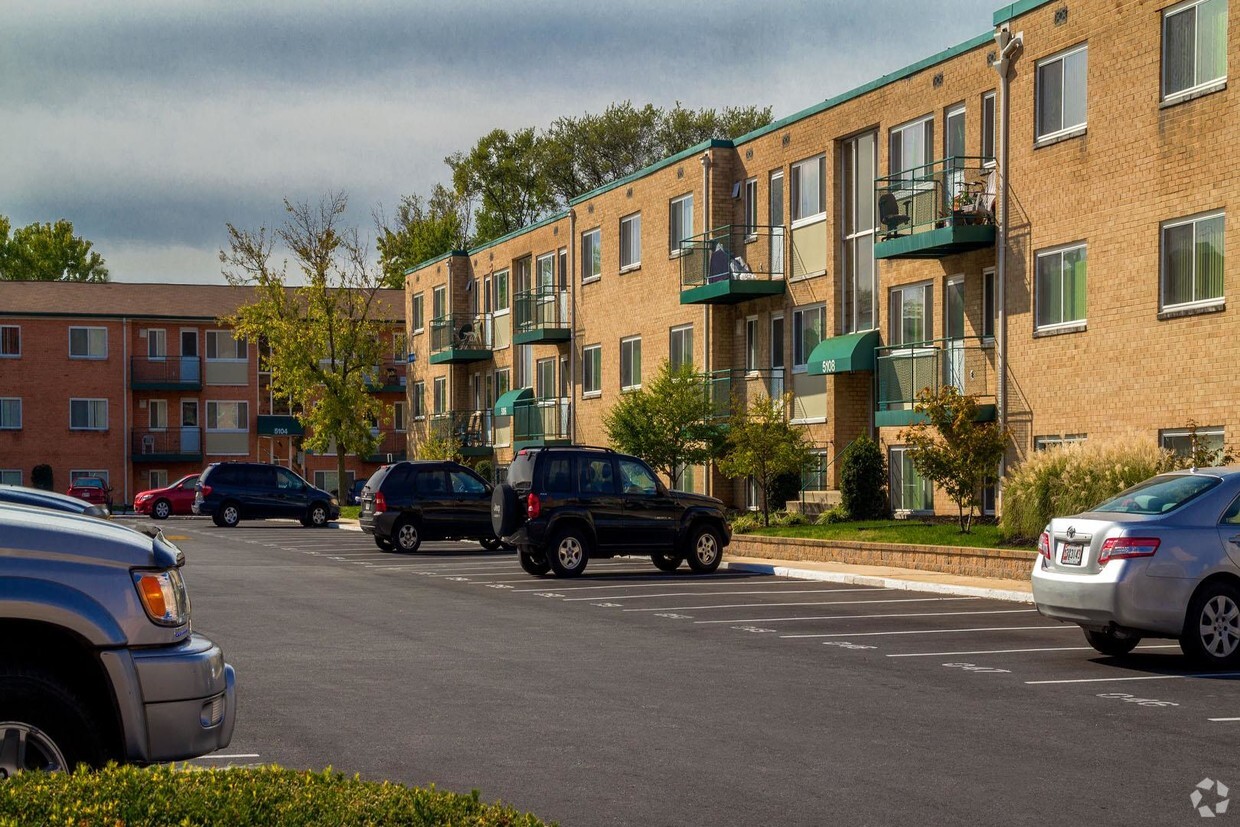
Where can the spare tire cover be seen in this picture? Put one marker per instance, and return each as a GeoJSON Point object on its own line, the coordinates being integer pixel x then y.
{"type": "Point", "coordinates": [505, 510]}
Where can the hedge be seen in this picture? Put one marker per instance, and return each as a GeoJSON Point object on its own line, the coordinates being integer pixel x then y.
{"type": "Point", "coordinates": [269, 796]}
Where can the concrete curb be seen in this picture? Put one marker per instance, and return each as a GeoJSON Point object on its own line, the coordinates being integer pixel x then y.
{"type": "Point", "coordinates": [882, 582]}
{"type": "Point", "coordinates": [346, 525]}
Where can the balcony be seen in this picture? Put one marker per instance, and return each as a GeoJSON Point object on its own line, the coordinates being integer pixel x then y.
{"type": "Point", "coordinates": [392, 447]}
{"type": "Point", "coordinates": [461, 338]}
{"type": "Point", "coordinates": [532, 423]}
{"type": "Point", "coordinates": [541, 317]}
{"type": "Point", "coordinates": [729, 387]}
{"type": "Point", "coordinates": [939, 209]}
{"type": "Point", "coordinates": [165, 373]}
{"type": "Point", "coordinates": [732, 264]}
{"type": "Point", "coordinates": [470, 429]}
{"type": "Point", "coordinates": [387, 377]}
{"type": "Point", "coordinates": [902, 371]}
{"type": "Point", "coordinates": [165, 445]}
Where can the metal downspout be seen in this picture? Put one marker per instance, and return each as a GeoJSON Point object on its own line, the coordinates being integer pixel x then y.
{"type": "Point", "coordinates": [571, 276]}
{"type": "Point", "coordinates": [1009, 46]}
{"type": "Point", "coordinates": [706, 314]}
{"type": "Point", "coordinates": [125, 432]}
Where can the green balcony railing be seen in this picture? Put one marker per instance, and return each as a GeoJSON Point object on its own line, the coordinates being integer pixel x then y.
{"type": "Point", "coordinates": [941, 208]}
{"type": "Point", "coordinates": [731, 387]}
{"type": "Point", "coordinates": [541, 316]}
{"type": "Point", "coordinates": [166, 444]}
{"type": "Point", "coordinates": [732, 264]}
{"type": "Point", "coordinates": [471, 430]}
{"type": "Point", "coordinates": [461, 337]}
{"type": "Point", "coordinates": [165, 373]}
{"type": "Point", "coordinates": [389, 376]}
{"type": "Point", "coordinates": [540, 422]}
{"type": "Point", "coordinates": [903, 371]}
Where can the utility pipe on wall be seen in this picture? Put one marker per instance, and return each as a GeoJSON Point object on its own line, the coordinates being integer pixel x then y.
{"type": "Point", "coordinates": [706, 314]}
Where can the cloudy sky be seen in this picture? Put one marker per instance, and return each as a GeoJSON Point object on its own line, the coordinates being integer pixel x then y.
{"type": "Point", "coordinates": [151, 123]}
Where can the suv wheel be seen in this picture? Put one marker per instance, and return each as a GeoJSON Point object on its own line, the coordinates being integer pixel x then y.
{"type": "Point", "coordinates": [568, 553]}
{"type": "Point", "coordinates": [316, 517]}
{"type": "Point", "coordinates": [535, 564]}
{"type": "Point", "coordinates": [705, 549]}
{"type": "Point", "coordinates": [1212, 627]}
{"type": "Point", "coordinates": [161, 509]}
{"type": "Point", "coordinates": [407, 537]}
{"type": "Point", "coordinates": [666, 562]}
{"type": "Point", "coordinates": [229, 515]}
{"type": "Point", "coordinates": [47, 726]}
{"type": "Point", "coordinates": [384, 543]}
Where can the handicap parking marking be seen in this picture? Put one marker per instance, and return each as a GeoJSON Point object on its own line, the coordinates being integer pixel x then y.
{"type": "Point", "coordinates": [1015, 651]}
{"type": "Point", "coordinates": [1216, 675]}
{"type": "Point", "coordinates": [864, 617]}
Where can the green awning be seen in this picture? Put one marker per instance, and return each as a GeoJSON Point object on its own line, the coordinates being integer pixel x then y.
{"type": "Point", "coordinates": [844, 354]}
{"type": "Point", "coordinates": [507, 403]}
{"type": "Point", "coordinates": [279, 425]}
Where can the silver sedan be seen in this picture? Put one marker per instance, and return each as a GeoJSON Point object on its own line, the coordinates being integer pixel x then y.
{"type": "Point", "coordinates": [1161, 559]}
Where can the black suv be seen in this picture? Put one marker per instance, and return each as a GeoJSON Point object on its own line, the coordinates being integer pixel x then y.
{"type": "Point", "coordinates": [228, 492]}
{"type": "Point", "coordinates": [408, 502]}
{"type": "Point", "coordinates": [562, 506]}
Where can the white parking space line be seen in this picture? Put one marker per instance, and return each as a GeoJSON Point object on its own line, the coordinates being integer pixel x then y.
{"type": "Point", "coordinates": [782, 605]}
{"type": "Point", "coordinates": [1012, 651]}
{"type": "Point", "coordinates": [866, 617]}
{"type": "Point", "coordinates": [717, 594]}
{"type": "Point", "coordinates": [1141, 678]}
{"type": "Point", "coordinates": [238, 755]}
{"type": "Point", "coordinates": [934, 631]}
{"type": "Point", "coordinates": [662, 581]}
{"type": "Point", "coordinates": [1222, 720]}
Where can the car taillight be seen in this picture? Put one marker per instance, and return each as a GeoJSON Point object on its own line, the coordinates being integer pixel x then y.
{"type": "Point", "coordinates": [380, 503]}
{"type": "Point", "coordinates": [1044, 545]}
{"type": "Point", "coordinates": [206, 490]}
{"type": "Point", "coordinates": [532, 506]}
{"type": "Point", "coordinates": [1123, 548]}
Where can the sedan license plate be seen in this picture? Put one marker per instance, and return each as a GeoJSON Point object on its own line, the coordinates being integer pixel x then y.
{"type": "Point", "coordinates": [1072, 554]}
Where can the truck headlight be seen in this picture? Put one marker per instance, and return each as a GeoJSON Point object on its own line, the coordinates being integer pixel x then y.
{"type": "Point", "coordinates": [163, 596]}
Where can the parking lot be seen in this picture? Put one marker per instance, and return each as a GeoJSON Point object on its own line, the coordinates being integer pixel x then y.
{"type": "Point", "coordinates": [949, 657]}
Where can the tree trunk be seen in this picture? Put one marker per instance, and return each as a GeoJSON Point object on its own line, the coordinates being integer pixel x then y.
{"type": "Point", "coordinates": [342, 484]}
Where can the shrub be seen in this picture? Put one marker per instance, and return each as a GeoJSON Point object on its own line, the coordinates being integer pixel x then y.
{"type": "Point", "coordinates": [833, 516]}
{"type": "Point", "coordinates": [485, 469]}
{"type": "Point", "coordinates": [1075, 477]}
{"type": "Point", "coordinates": [239, 797]}
{"type": "Point", "coordinates": [41, 477]}
{"type": "Point", "coordinates": [784, 518]}
{"type": "Point", "coordinates": [746, 522]}
{"type": "Point", "coordinates": [785, 487]}
{"type": "Point", "coordinates": [863, 480]}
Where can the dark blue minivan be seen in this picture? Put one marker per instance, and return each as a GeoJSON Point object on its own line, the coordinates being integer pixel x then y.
{"type": "Point", "coordinates": [229, 492]}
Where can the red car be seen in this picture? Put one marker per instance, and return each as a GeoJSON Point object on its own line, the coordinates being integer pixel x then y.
{"type": "Point", "coordinates": [161, 503]}
{"type": "Point", "coordinates": [93, 490]}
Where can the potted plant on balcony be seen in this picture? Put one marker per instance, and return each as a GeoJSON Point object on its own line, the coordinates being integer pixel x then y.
{"type": "Point", "coordinates": [963, 207]}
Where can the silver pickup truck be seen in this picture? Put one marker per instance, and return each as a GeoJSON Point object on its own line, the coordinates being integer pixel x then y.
{"type": "Point", "coordinates": [98, 660]}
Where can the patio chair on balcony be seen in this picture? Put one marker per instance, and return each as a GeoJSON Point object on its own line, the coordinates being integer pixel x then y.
{"type": "Point", "coordinates": [148, 443]}
{"type": "Point", "coordinates": [720, 265]}
{"type": "Point", "coordinates": [466, 335]}
{"type": "Point", "coordinates": [890, 216]}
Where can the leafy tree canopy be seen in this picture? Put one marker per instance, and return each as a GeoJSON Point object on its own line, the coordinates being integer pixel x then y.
{"type": "Point", "coordinates": [762, 444]}
{"type": "Point", "coordinates": [47, 252]}
{"type": "Point", "coordinates": [423, 229]}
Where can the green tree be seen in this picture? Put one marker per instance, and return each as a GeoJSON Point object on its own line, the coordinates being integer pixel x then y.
{"type": "Point", "coordinates": [681, 128]}
{"type": "Point", "coordinates": [953, 449]}
{"type": "Point", "coordinates": [502, 175]}
{"type": "Point", "coordinates": [863, 478]}
{"type": "Point", "coordinates": [47, 252]}
{"type": "Point", "coordinates": [762, 444]}
{"type": "Point", "coordinates": [423, 229]}
{"type": "Point", "coordinates": [670, 422]}
{"type": "Point", "coordinates": [323, 338]}
{"type": "Point", "coordinates": [580, 154]}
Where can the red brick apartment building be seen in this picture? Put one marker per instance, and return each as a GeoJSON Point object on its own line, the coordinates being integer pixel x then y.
{"type": "Point", "coordinates": [140, 384]}
{"type": "Point", "coordinates": [1049, 237]}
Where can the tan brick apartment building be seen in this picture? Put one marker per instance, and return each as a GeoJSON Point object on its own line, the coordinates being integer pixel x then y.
{"type": "Point", "coordinates": [855, 252]}
{"type": "Point", "coordinates": [140, 384]}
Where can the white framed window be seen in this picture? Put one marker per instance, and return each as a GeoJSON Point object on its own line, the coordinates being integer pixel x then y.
{"type": "Point", "coordinates": [222, 346]}
{"type": "Point", "coordinates": [157, 413]}
{"type": "Point", "coordinates": [439, 302]}
{"type": "Point", "coordinates": [326, 481]}
{"type": "Point", "coordinates": [680, 223]}
{"type": "Point", "coordinates": [88, 414]}
{"type": "Point", "coordinates": [592, 371]}
{"type": "Point", "coordinates": [500, 289]}
{"type": "Point", "coordinates": [680, 347]}
{"type": "Point", "coordinates": [1180, 441]}
{"type": "Point", "coordinates": [990, 305]}
{"type": "Point", "coordinates": [419, 400]}
{"type": "Point", "coordinates": [687, 476]}
{"type": "Point", "coordinates": [591, 255]}
{"type": "Point", "coordinates": [1194, 47]}
{"type": "Point", "coordinates": [1045, 443]}
{"type": "Point", "coordinates": [10, 414]}
{"type": "Point", "coordinates": [10, 476]}
{"type": "Point", "coordinates": [912, 313]}
{"type": "Point", "coordinates": [1062, 91]}
{"type": "Point", "coordinates": [88, 343]}
{"type": "Point", "coordinates": [753, 501]}
{"type": "Point", "coordinates": [544, 378]}
{"type": "Point", "coordinates": [503, 381]}
{"type": "Point", "coordinates": [1060, 290]}
{"type": "Point", "coordinates": [228, 416]}
{"type": "Point", "coordinates": [808, 189]}
{"type": "Point", "coordinates": [77, 473]}
{"type": "Point", "coordinates": [750, 205]}
{"type": "Point", "coordinates": [419, 320]}
{"type": "Point", "coordinates": [440, 395]}
{"type": "Point", "coordinates": [399, 422]}
{"type": "Point", "coordinates": [1192, 261]}
{"type": "Point", "coordinates": [910, 491]}
{"type": "Point", "coordinates": [858, 292]}
{"type": "Point", "coordinates": [775, 214]}
{"type": "Point", "coordinates": [10, 341]}
{"type": "Point", "coordinates": [630, 242]}
{"type": "Point", "coordinates": [910, 146]}
{"type": "Point", "coordinates": [751, 344]}
{"type": "Point", "coordinates": [544, 269]}
{"type": "Point", "coordinates": [157, 478]}
{"type": "Point", "coordinates": [156, 343]}
{"type": "Point", "coordinates": [631, 363]}
{"type": "Point", "coordinates": [988, 128]}
{"type": "Point", "coordinates": [809, 325]}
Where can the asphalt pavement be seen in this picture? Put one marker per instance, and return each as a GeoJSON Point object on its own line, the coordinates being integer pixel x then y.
{"type": "Point", "coordinates": [629, 696]}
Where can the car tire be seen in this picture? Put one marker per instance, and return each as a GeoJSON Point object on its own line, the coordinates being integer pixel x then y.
{"type": "Point", "coordinates": [229, 515]}
{"type": "Point", "coordinates": [1211, 634]}
{"type": "Point", "coordinates": [161, 510]}
{"type": "Point", "coordinates": [384, 543]}
{"type": "Point", "coordinates": [535, 564]}
{"type": "Point", "coordinates": [705, 550]}
{"type": "Point", "coordinates": [317, 516]}
{"type": "Point", "coordinates": [60, 732]}
{"type": "Point", "coordinates": [666, 562]}
{"type": "Point", "coordinates": [568, 552]}
{"type": "Point", "coordinates": [1111, 645]}
{"type": "Point", "coordinates": [491, 544]}
{"type": "Point", "coordinates": [407, 537]}
{"type": "Point", "coordinates": [506, 513]}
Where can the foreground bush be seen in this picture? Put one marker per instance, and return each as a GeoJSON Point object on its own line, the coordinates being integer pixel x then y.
{"type": "Point", "coordinates": [268, 796]}
{"type": "Point", "coordinates": [1074, 478]}
{"type": "Point", "coordinates": [863, 480]}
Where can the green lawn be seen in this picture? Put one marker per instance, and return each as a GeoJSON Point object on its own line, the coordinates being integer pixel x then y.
{"type": "Point", "coordinates": [917, 532]}
{"type": "Point", "coordinates": [350, 512]}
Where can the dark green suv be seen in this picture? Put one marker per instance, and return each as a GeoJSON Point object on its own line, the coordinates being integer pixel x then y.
{"type": "Point", "coordinates": [562, 506]}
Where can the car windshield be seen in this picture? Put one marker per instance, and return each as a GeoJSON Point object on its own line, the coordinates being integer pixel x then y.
{"type": "Point", "coordinates": [1159, 495]}
{"type": "Point", "coordinates": [521, 471]}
